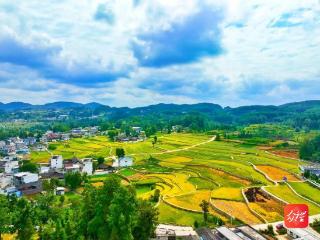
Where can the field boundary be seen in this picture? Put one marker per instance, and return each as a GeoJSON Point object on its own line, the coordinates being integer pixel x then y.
{"type": "Point", "coordinates": [263, 173]}
{"type": "Point", "coordinates": [250, 209]}
{"type": "Point", "coordinates": [263, 188]}
{"type": "Point", "coordinates": [295, 192]}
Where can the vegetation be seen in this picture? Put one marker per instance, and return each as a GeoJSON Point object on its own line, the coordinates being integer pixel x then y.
{"type": "Point", "coordinates": [310, 149]}
{"type": "Point", "coordinates": [109, 212]}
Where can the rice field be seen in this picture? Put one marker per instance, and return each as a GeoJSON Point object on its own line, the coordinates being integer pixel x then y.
{"type": "Point", "coordinates": [307, 190]}
{"type": "Point", "coordinates": [188, 168]}
{"type": "Point", "coordinates": [277, 174]}
{"type": "Point", "coordinates": [284, 192]}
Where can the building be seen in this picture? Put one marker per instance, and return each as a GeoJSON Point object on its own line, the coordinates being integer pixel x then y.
{"type": "Point", "coordinates": [168, 232]}
{"type": "Point", "coordinates": [9, 166]}
{"type": "Point", "coordinates": [122, 162]}
{"type": "Point", "coordinates": [65, 137]}
{"type": "Point", "coordinates": [29, 141]}
{"type": "Point", "coordinates": [302, 234]}
{"type": "Point", "coordinates": [27, 183]}
{"type": "Point", "coordinates": [87, 166]}
{"type": "Point", "coordinates": [239, 233]}
{"type": "Point", "coordinates": [59, 191]}
{"type": "Point", "coordinates": [313, 169]}
{"type": "Point", "coordinates": [137, 129]}
{"type": "Point", "coordinates": [56, 162]}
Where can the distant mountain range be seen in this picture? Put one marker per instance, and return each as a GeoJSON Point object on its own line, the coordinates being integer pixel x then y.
{"type": "Point", "coordinates": [199, 107]}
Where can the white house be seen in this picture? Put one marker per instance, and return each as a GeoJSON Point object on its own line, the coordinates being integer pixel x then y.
{"type": "Point", "coordinates": [59, 191]}
{"type": "Point", "coordinates": [123, 162]}
{"type": "Point", "coordinates": [11, 167]}
{"type": "Point", "coordinates": [87, 166]}
{"type": "Point", "coordinates": [5, 180]}
{"type": "Point", "coordinates": [56, 162]}
{"type": "Point", "coordinates": [137, 129]}
{"type": "Point", "coordinates": [25, 178]}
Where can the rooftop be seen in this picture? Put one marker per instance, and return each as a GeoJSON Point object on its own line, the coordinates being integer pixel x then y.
{"type": "Point", "coordinates": [229, 234]}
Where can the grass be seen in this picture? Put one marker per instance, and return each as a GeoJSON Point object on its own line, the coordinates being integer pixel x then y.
{"type": "Point", "coordinates": [285, 193]}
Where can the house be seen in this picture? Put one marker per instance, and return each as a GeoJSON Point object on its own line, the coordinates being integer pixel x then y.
{"type": "Point", "coordinates": [65, 136]}
{"type": "Point", "coordinates": [122, 162]}
{"type": "Point", "coordinates": [167, 232]}
{"type": "Point", "coordinates": [6, 180]}
{"type": "Point", "coordinates": [59, 191]}
{"type": "Point", "coordinates": [9, 166]}
{"type": "Point", "coordinates": [56, 162]}
{"type": "Point", "coordinates": [12, 190]}
{"type": "Point", "coordinates": [313, 169]}
{"type": "Point", "coordinates": [29, 141]}
{"type": "Point", "coordinates": [137, 129]}
{"type": "Point", "coordinates": [239, 233]}
{"type": "Point", "coordinates": [27, 183]}
{"type": "Point", "coordinates": [87, 166]}
{"type": "Point", "coordinates": [302, 234]}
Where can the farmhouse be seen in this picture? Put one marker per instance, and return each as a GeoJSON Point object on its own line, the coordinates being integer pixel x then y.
{"type": "Point", "coordinates": [302, 234]}
{"type": "Point", "coordinates": [313, 169]}
{"type": "Point", "coordinates": [166, 232]}
{"type": "Point", "coordinates": [56, 162]}
{"type": "Point", "coordinates": [9, 166]}
{"type": "Point", "coordinates": [239, 233]}
{"type": "Point", "coordinates": [122, 162]}
{"type": "Point", "coordinates": [27, 183]}
{"type": "Point", "coordinates": [59, 191]}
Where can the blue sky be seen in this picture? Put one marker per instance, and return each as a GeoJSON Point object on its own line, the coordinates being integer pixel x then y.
{"type": "Point", "coordinates": [139, 52]}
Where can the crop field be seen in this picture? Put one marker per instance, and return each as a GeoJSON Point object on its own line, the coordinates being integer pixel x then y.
{"type": "Point", "coordinates": [188, 168]}
{"type": "Point", "coordinates": [277, 174]}
{"type": "Point", "coordinates": [284, 192]}
{"type": "Point", "coordinates": [307, 190]}
{"type": "Point", "coordinates": [238, 210]}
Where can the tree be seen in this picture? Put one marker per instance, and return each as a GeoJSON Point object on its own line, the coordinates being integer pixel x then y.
{"type": "Point", "coordinates": [147, 219]}
{"type": "Point", "coordinates": [100, 160]}
{"type": "Point", "coordinates": [5, 216]}
{"type": "Point", "coordinates": [73, 180]}
{"type": "Point", "coordinates": [205, 209]}
{"type": "Point", "coordinates": [155, 197]}
{"type": "Point", "coordinates": [28, 166]}
{"type": "Point", "coordinates": [120, 152]}
{"type": "Point", "coordinates": [112, 134]}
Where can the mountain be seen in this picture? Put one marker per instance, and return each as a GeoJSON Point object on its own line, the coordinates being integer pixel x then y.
{"type": "Point", "coordinates": [13, 106]}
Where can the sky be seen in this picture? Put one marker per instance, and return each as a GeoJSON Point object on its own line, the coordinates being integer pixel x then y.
{"type": "Point", "coordinates": [141, 52]}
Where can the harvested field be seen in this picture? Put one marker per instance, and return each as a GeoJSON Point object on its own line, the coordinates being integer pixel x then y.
{"type": "Point", "coordinates": [277, 174]}
{"type": "Point", "coordinates": [237, 209]}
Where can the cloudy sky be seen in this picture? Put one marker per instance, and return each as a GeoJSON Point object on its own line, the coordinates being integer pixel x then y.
{"type": "Point", "coordinates": [141, 52]}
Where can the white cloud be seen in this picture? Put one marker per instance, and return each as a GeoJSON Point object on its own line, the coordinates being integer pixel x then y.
{"type": "Point", "coordinates": [255, 50]}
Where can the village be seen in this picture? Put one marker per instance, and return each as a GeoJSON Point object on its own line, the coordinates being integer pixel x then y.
{"type": "Point", "coordinates": [14, 150]}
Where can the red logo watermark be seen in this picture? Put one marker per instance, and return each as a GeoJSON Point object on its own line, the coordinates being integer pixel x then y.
{"type": "Point", "coordinates": [296, 216]}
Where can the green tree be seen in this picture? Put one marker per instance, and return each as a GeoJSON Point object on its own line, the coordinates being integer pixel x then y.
{"type": "Point", "coordinates": [28, 166]}
{"type": "Point", "coordinates": [147, 219]}
{"type": "Point", "coordinates": [73, 180]}
{"type": "Point", "coordinates": [112, 134]}
{"type": "Point", "coordinates": [120, 152]}
{"type": "Point", "coordinates": [5, 216]}
{"type": "Point", "coordinates": [100, 160]}
{"type": "Point", "coordinates": [205, 209]}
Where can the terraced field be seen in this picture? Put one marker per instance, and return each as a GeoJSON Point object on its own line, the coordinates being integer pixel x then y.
{"type": "Point", "coordinates": [189, 168]}
{"type": "Point", "coordinates": [283, 191]}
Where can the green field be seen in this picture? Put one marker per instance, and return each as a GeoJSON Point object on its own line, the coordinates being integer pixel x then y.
{"type": "Point", "coordinates": [184, 166]}
{"type": "Point", "coordinates": [307, 190]}
{"type": "Point", "coordinates": [284, 192]}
